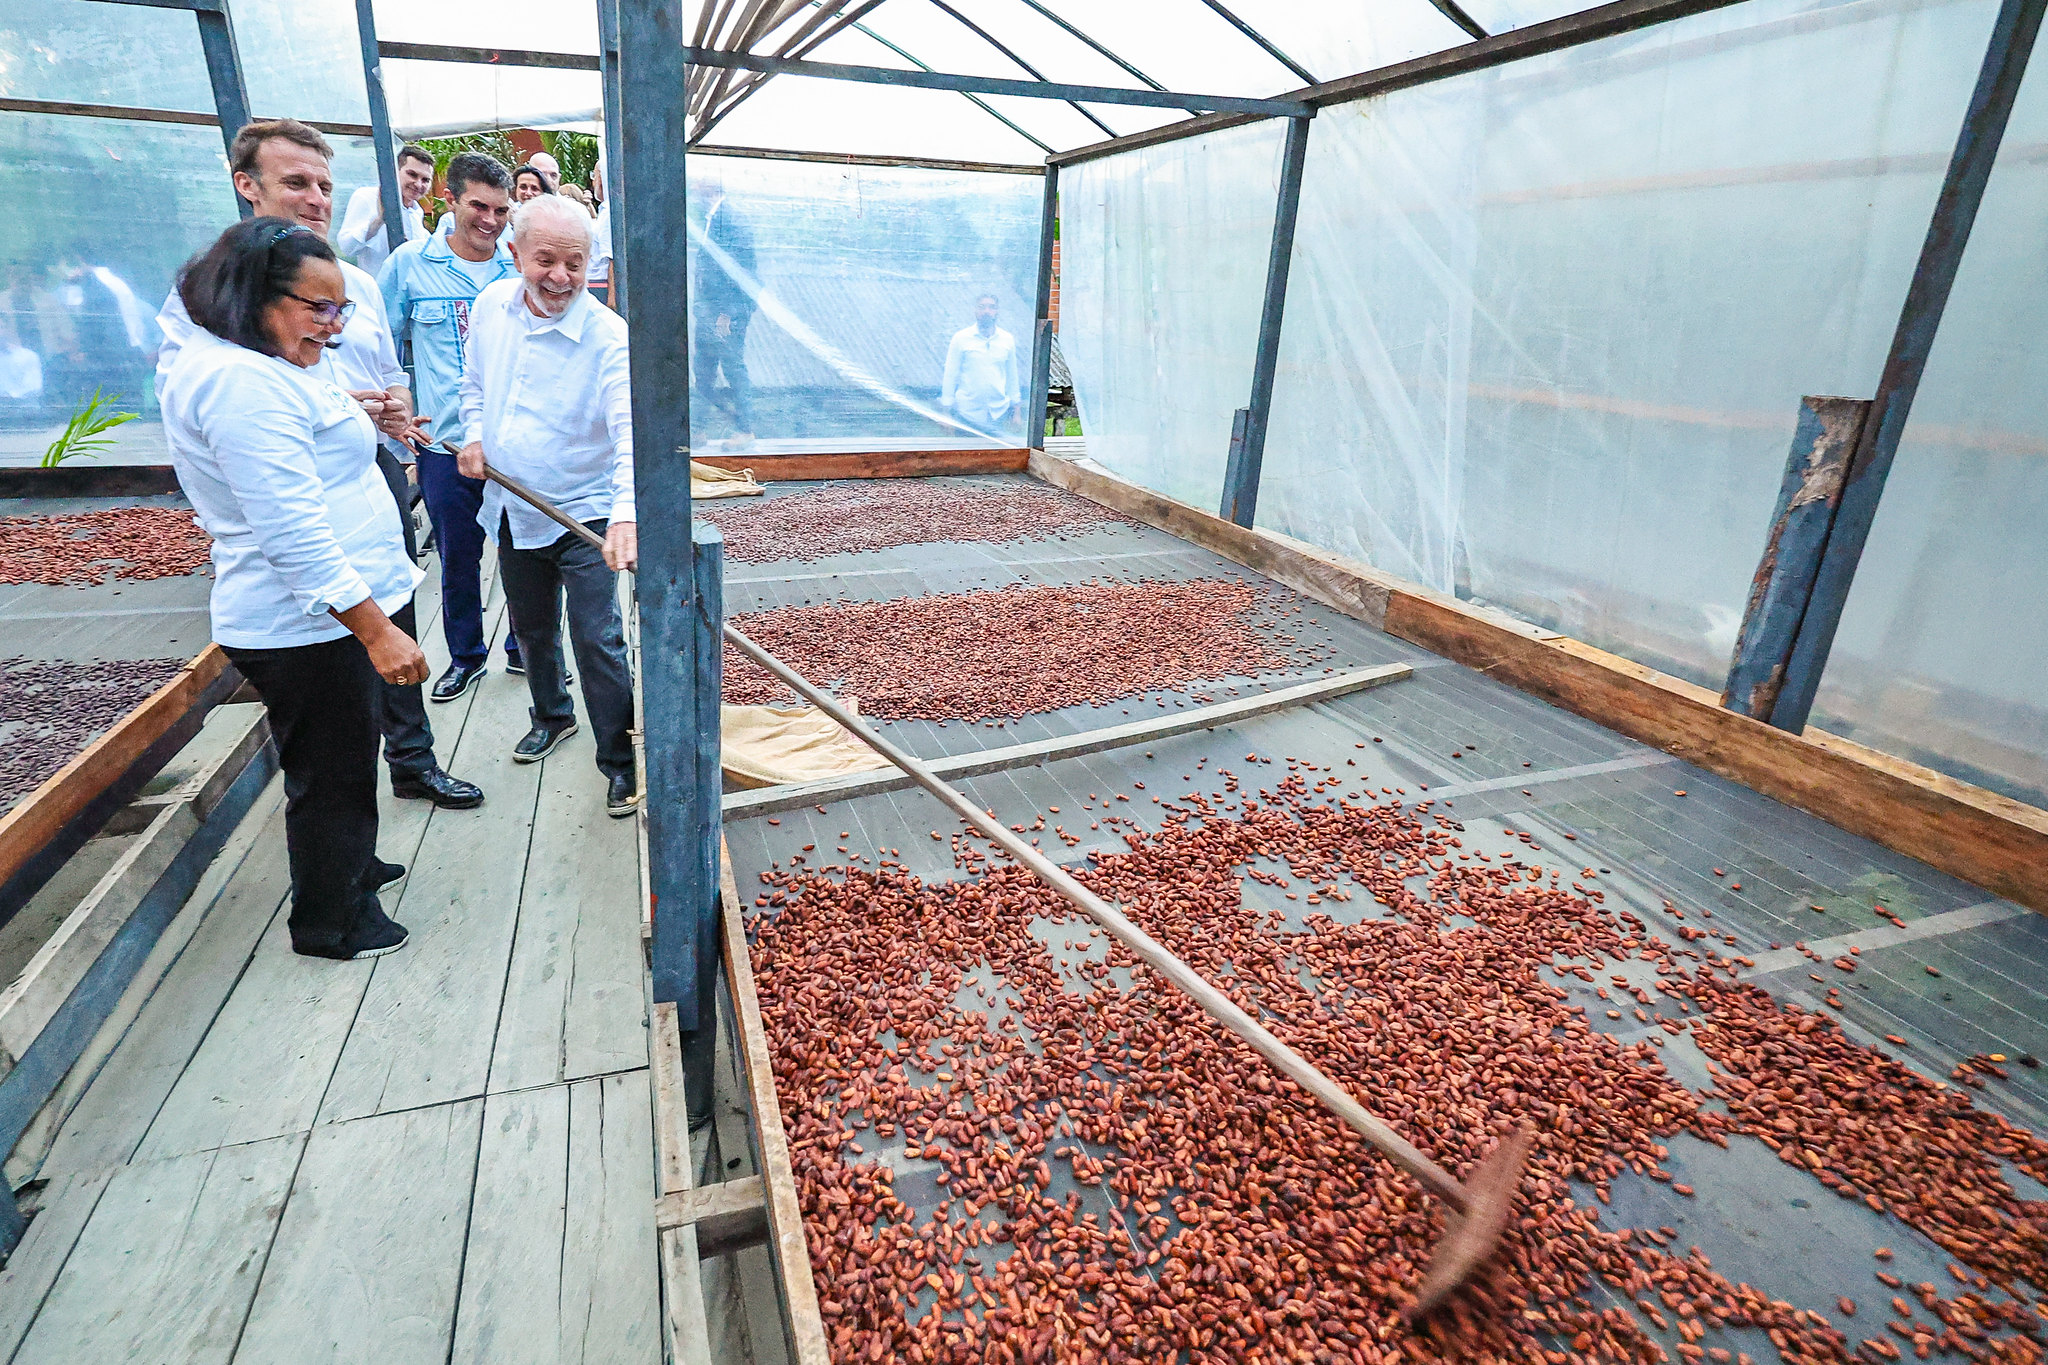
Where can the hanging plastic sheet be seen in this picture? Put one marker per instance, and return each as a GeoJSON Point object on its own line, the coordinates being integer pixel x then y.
{"type": "Point", "coordinates": [842, 308]}
{"type": "Point", "coordinates": [1548, 325]}
{"type": "Point", "coordinates": [1942, 656]}
{"type": "Point", "coordinates": [1162, 272]}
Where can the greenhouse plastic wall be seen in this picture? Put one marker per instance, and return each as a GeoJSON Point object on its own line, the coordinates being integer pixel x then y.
{"type": "Point", "coordinates": [1942, 655]}
{"type": "Point", "coordinates": [1162, 273]}
{"type": "Point", "coordinates": [1548, 325]}
{"type": "Point", "coordinates": [847, 295]}
{"type": "Point", "coordinates": [120, 205]}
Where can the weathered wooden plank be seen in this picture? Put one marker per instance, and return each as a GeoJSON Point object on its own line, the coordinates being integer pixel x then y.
{"type": "Point", "coordinates": [428, 1021]}
{"type": "Point", "coordinates": [43, 813]}
{"type": "Point", "coordinates": [888, 464]}
{"type": "Point", "coordinates": [512, 1301]}
{"type": "Point", "coordinates": [368, 1255]}
{"type": "Point", "coordinates": [772, 800]}
{"type": "Point", "coordinates": [574, 995]}
{"type": "Point", "coordinates": [785, 1214]}
{"type": "Point", "coordinates": [727, 1216]}
{"type": "Point", "coordinates": [1984, 838]}
{"type": "Point", "coordinates": [33, 1266]}
{"type": "Point", "coordinates": [267, 1059]}
{"type": "Point", "coordinates": [108, 1122]}
{"type": "Point", "coordinates": [610, 1297]}
{"type": "Point", "coordinates": [671, 1121]}
{"type": "Point", "coordinates": [168, 1261]}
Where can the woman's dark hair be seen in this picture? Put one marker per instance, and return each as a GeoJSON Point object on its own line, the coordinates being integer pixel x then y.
{"type": "Point", "coordinates": [227, 287]}
{"type": "Point", "coordinates": [533, 171]}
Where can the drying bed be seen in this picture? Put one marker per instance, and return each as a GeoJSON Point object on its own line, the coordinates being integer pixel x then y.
{"type": "Point", "coordinates": [1472, 909]}
{"type": "Point", "coordinates": [51, 710]}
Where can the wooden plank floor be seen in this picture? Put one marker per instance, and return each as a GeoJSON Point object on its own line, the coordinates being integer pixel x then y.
{"type": "Point", "coordinates": [444, 1155]}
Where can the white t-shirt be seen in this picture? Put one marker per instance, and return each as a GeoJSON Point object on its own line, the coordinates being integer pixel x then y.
{"type": "Point", "coordinates": [362, 234]}
{"type": "Point", "coordinates": [280, 469]}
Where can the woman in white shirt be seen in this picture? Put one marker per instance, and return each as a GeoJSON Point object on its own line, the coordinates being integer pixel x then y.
{"type": "Point", "coordinates": [308, 555]}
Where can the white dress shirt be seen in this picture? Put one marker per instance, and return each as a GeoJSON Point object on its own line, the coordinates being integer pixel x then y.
{"type": "Point", "coordinates": [550, 400]}
{"type": "Point", "coordinates": [279, 466]}
{"type": "Point", "coordinates": [981, 375]}
{"type": "Point", "coordinates": [601, 246]}
{"type": "Point", "coordinates": [366, 359]}
{"type": "Point", "coordinates": [362, 235]}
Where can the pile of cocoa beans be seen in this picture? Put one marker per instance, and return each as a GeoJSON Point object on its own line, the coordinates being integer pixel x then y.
{"type": "Point", "coordinates": [51, 709]}
{"type": "Point", "coordinates": [92, 547]}
{"type": "Point", "coordinates": [879, 514]}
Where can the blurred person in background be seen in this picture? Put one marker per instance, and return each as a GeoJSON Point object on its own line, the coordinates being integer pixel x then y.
{"type": "Point", "coordinates": [981, 384]}
{"type": "Point", "coordinates": [528, 183]}
{"type": "Point", "coordinates": [36, 337]}
{"type": "Point", "coordinates": [429, 287]}
{"type": "Point", "coordinates": [110, 332]}
{"type": "Point", "coordinates": [549, 168]}
{"type": "Point", "coordinates": [363, 237]}
{"type": "Point", "coordinates": [600, 271]}
{"type": "Point", "coordinates": [581, 196]}
{"type": "Point", "coordinates": [281, 169]}
{"type": "Point", "coordinates": [312, 586]}
{"type": "Point", "coordinates": [546, 399]}
{"type": "Point", "coordinates": [723, 301]}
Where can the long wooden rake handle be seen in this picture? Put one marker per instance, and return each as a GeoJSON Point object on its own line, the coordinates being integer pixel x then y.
{"type": "Point", "coordinates": [1149, 950]}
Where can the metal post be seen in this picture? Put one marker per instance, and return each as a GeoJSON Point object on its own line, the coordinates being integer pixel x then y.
{"type": "Point", "coordinates": [380, 128]}
{"type": "Point", "coordinates": [224, 71]}
{"type": "Point", "coordinates": [704, 812]}
{"type": "Point", "coordinates": [648, 224]}
{"type": "Point", "coordinates": [614, 144]}
{"type": "Point", "coordinates": [1041, 344]}
{"type": "Point", "coordinates": [1807, 499]}
{"type": "Point", "coordinates": [1241, 484]}
{"type": "Point", "coordinates": [1962, 190]}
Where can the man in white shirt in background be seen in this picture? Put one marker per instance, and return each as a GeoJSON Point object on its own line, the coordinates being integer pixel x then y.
{"type": "Point", "coordinates": [280, 167]}
{"type": "Point", "coordinates": [981, 383]}
{"type": "Point", "coordinates": [363, 238]}
{"type": "Point", "coordinates": [601, 253]}
{"type": "Point", "coordinates": [546, 400]}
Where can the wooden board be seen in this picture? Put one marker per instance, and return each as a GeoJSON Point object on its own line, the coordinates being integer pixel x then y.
{"type": "Point", "coordinates": [85, 481]}
{"type": "Point", "coordinates": [368, 1255]}
{"type": "Point", "coordinates": [33, 1266]}
{"type": "Point", "coordinates": [560, 1254]}
{"type": "Point", "coordinates": [428, 1022]}
{"type": "Point", "coordinates": [1984, 838]}
{"type": "Point", "coordinates": [785, 1215]}
{"type": "Point", "coordinates": [573, 995]}
{"type": "Point", "coordinates": [166, 1266]}
{"type": "Point", "coordinates": [888, 464]}
{"type": "Point", "coordinates": [110, 1119]}
{"type": "Point", "coordinates": [44, 812]}
{"type": "Point", "coordinates": [771, 800]}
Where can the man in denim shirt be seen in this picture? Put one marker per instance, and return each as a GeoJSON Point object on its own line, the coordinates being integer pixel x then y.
{"type": "Point", "coordinates": [428, 288]}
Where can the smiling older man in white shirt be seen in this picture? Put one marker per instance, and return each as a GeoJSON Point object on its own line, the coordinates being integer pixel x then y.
{"type": "Point", "coordinates": [545, 399]}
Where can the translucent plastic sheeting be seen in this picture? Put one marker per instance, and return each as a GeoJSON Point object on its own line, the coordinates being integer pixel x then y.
{"type": "Point", "coordinates": [1162, 272]}
{"type": "Point", "coordinates": [1548, 325]}
{"type": "Point", "coordinates": [119, 206]}
{"type": "Point", "coordinates": [1942, 655]}
{"type": "Point", "coordinates": [844, 291]}
{"type": "Point", "coordinates": [430, 99]}
{"type": "Point", "coordinates": [299, 57]}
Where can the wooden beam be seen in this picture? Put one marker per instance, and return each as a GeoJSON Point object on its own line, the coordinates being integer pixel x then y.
{"type": "Point", "coordinates": [730, 1216]}
{"type": "Point", "coordinates": [772, 800]}
{"type": "Point", "coordinates": [488, 56]}
{"type": "Point", "coordinates": [132, 114]}
{"type": "Point", "coordinates": [46, 810]}
{"type": "Point", "coordinates": [786, 1243]}
{"type": "Point", "coordinates": [107, 481]}
{"type": "Point", "coordinates": [887, 464]}
{"type": "Point", "coordinates": [1989, 840]}
{"type": "Point", "coordinates": [920, 163]}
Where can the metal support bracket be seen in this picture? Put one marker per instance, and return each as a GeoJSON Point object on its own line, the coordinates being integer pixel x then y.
{"type": "Point", "coordinates": [1248, 436]}
{"type": "Point", "coordinates": [1041, 341]}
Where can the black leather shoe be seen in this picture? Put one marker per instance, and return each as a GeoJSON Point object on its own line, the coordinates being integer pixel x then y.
{"type": "Point", "coordinates": [515, 665]}
{"type": "Point", "coordinates": [448, 793]}
{"type": "Point", "coordinates": [456, 681]}
{"type": "Point", "coordinates": [540, 742]}
{"type": "Point", "coordinates": [382, 874]}
{"type": "Point", "coordinates": [622, 796]}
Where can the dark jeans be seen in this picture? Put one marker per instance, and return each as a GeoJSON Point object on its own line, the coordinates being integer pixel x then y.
{"type": "Point", "coordinates": [453, 502]}
{"type": "Point", "coordinates": [322, 701]}
{"type": "Point", "coordinates": [712, 353]}
{"type": "Point", "coordinates": [402, 711]}
{"type": "Point", "coordinates": [535, 583]}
